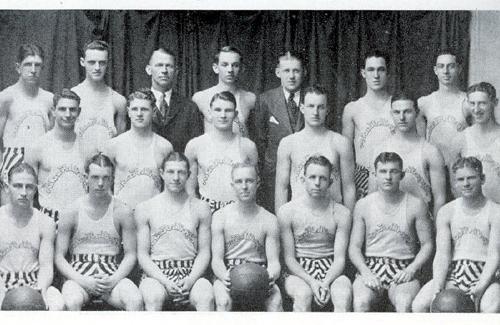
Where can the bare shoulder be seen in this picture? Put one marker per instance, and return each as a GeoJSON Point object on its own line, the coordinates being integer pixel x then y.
{"type": "Point", "coordinates": [447, 210]}
{"type": "Point", "coordinates": [286, 210]}
{"type": "Point", "coordinates": [121, 209]}
{"type": "Point", "coordinates": [248, 96]}
{"type": "Point", "coordinates": [352, 107]}
{"type": "Point", "coordinates": [203, 97]}
{"type": "Point", "coordinates": [430, 151]}
{"type": "Point", "coordinates": [78, 89]}
{"type": "Point", "coordinates": [360, 209]}
{"type": "Point", "coordinates": [46, 96]}
{"type": "Point", "coordinates": [342, 143]}
{"type": "Point", "coordinates": [340, 212]}
{"type": "Point", "coordinates": [416, 205]}
{"type": "Point", "coordinates": [200, 207]}
{"type": "Point", "coordinates": [7, 96]}
{"type": "Point", "coordinates": [163, 144]}
{"type": "Point", "coordinates": [269, 219]}
{"type": "Point", "coordinates": [247, 144]}
{"type": "Point", "coordinates": [118, 100]}
{"type": "Point", "coordinates": [423, 103]}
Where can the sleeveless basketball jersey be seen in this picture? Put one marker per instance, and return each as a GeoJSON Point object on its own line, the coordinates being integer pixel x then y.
{"type": "Point", "coordinates": [214, 169]}
{"type": "Point", "coordinates": [95, 125]}
{"type": "Point", "coordinates": [28, 126]}
{"type": "Point", "coordinates": [65, 182]}
{"type": "Point", "coordinates": [443, 129]}
{"type": "Point", "coordinates": [19, 247]}
{"type": "Point", "coordinates": [371, 134]}
{"type": "Point", "coordinates": [301, 152]}
{"type": "Point", "coordinates": [176, 238]}
{"type": "Point", "coordinates": [470, 233]}
{"type": "Point", "coordinates": [141, 180]}
{"type": "Point", "coordinates": [490, 157]}
{"type": "Point", "coordinates": [96, 236]}
{"type": "Point", "coordinates": [244, 244]}
{"type": "Point", "coordinates": [388, 234]}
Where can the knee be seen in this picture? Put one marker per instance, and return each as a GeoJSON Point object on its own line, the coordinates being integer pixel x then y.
{"type": "Point", "coordinates": [204, 300]}
{"type": "Point", "coordinates": [490, 306]}
{"type": "Point", "coordinates": [73, 302]}
{"type": "Point", "coordinates": [403, 304]}
{"type": "Point", "coordinates": [153, 301]}
{"type": "Point", "coordinates": [223, 302]}
{"type": "Point", "coordinates": [275, 302]}
{"type": "Point", "coordinates": [419, 305]}
{"type": "Point", "coordinates": [302, 297]}
{"type": "Point", "coordinates": [361, 303]}
{"type": "Point", "coordinates": [56, 304]}
{"type": "Point", "coordinates": [133, 302]}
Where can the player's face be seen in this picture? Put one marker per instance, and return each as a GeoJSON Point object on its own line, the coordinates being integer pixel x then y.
{"type": "Point", "coordinates": [95, 63]}
{"type": "Point", "coordinates": [22, 189]}
{"type": "Point", "coordinates": [317, 180]}
{"type": "Point", "coordinates": [228, 67]}
{"type": "Point", "coordinates": [468, 182]}
{"type": "Point", "coordinates": [66, 112]}
{"type": "Point", "coordinates": [140, 112]}
{"type": "Point", "coordinates": [30, 69]}
{"type": "Point", "coordinates": [245, 183]}
{"type": "Point", "coordinates": [175, 175]}
{"type": "Point", "coordinates": [388, 176]}
{"type": "Point", "coordinates": [99, 180]}
{"type": "Point", "coordinates": [291, 74]}
{"type": "Point", "coordinates": [481, 106]}
{"type": "Point", "coordinates": [404, 115]}
{"type": "Point", "coordinates": [314, 109]}
{"type": "Point", "coordinates": [222, 114]}
{"type": "Point", "coordinates": [447, 69]}
{"type": "Point", "coordinates": [162, 70]}
{"type": "Point", "coordinates": [375, 73]}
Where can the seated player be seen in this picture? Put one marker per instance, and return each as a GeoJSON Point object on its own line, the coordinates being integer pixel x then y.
{"type": "Point", "coordinates": [389, 225]}
{"type": "Point", "coordinates": [213, 154]}
{"type": "Point", "coordinates": [26, 240]}
{"type": "Point", "coordinates": [244, 232]}
{"type": "Point", "coordinates": [468, 243]}
{"type": "Point", "coordinates": [315, 235]}
{"type": "Point", "coordinates": [92, 230]}
{"type": "Point", "coordinates": [173, 243]}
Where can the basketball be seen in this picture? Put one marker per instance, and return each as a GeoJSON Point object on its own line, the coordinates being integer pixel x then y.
{"type": "Point", "coordinates": [452, 301]}
{"type": "Point", "coordinates": [249, 282]}
{"type": "Point", "coordinates": [23, 298]}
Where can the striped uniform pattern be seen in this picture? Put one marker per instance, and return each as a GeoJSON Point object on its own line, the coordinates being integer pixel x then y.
{"type": "Point", "coordinates": [92, 264]}
{"type": "Point", "coordinates": [215, 205]}
{"type": "Point", "coordinates": [385, 268]}
{"type": "Point", "coordinates": [11, 156]}
{"type": "Point", "coordinates": [361, 175]}
{"type": "Point", "coordinates": [316, 267]}
{"type": "Point", "coordinates": [52, 213]}
{"type": "Point", "coordinates": [231, 263]}
{"type": "Point", "coordinates": [465, 274]}
{"type": "Point", "coordinates": [14, 280]}
{"type": "Point", "coordinates": [172, 269]}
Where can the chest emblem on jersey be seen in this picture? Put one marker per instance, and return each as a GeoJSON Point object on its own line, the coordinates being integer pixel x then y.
{"type": "Point", "coordinates": [213, 166]}
{"type": "Point", "coordinates": [61, 170]}
{"type": "Point", "coordinates": [165, 229]}
{"type": "Point", "coordinates": [488, 159]}
{"type": "Point", "coordinates": [132, 173]}
{"type": "Point", "coordinates": [393, 227]}
{"type": "Point", "coordinates": [95, 121]}
{"type": "Point", "coordinates": [7, 248]}
{"type": "Point", "coordinates": [459, 126]}
{"type": "Point", "coordinates": [470, 231]}
{"type": "Point", "coordinates": [102, 237]}
{"type": "Point", "coordinates": [234, 240]}
{"type": "Point", "coordinates": [310, 231]}
{"type": "Point", "coordinates": [381, 123]}
{"type": "Point", "coordinates": [26, 115]}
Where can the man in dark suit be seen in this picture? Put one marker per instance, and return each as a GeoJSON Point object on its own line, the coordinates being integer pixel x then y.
{"type": "Point", "coordinates": [277, 115]}
{"type": "Point", "coordinates": [175, 118]}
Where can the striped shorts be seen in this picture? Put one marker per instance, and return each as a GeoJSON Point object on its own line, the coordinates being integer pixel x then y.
{"type": "Point", "coordinates": [14, 280]}
{"type": "Point", "coordinates": [174, 270]}
{"type": "Point", "coordinates": [316, 267]}
{"type": "Point", "coordinates": [361, 175]}
{"type": "Point", "coordinates": [11, 156]}
{"type": "Point", "coordinates": [386, 268]}
{"type": "Point", "coordinates": [215, 205]}
{"type": "Point", "coordinates": [93, 264]}
{"type": "Point", "coordinates": [464, 274]}
{"type": "Point", "coordinates": [231, 263]}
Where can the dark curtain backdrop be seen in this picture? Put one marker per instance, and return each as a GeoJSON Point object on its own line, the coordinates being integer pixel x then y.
{"type": "Point", "coordinates": [333, 43]}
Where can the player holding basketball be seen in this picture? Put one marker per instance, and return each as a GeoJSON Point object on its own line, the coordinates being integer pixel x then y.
{"type": "Point", "coordinates": [389, 226]}
{"type": "Point", "coordinates": [26, 240]}
{"type": "Point", "coordinates": [468, 243]}
{"type": "Point", "coordinates": [244, 232]}
{"type": "Point", "coordinates": [92, 230]}
{"type": "Point", "coordinates": [315, 235]}
{"type": "Point", "coordinates": [212, 154]}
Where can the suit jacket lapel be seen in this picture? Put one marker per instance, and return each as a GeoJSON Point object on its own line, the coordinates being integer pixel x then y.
{"type": "Point", "coordinates": [279, 110]}
{"type": "Point", "coordinates": [174, 108]}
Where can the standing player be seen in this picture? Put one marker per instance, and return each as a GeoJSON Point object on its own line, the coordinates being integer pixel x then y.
{"type": "Point", "coordinates": [58, 159]}
{"type": "Point", "coordinates": [213, 154]}
{"type": "Point", "coordinates": [244, 232]}
{"type": "Point", "coordinates": [103, 109]}
{"type": "Point", "coordinates": [92, 230]}
{"type": "Point", "coordinates": [24, 108]}
{"type": "Point", "coordinates": [295, 149]}
{"type": "Point", "coordinates": [26, 240]}
{"type": "Point", "coordinates": [315, 235]}
{"type": "Point", "coordinates": [173, 243]}
{"type": "Point", "coordinates": [367, 121]}
{"type": "Point", "coordinates": [138, 153]}
{"type": "Point", "coordinates": [175, 118]}
{"type": "Point", "coordinates": [424, 165]}
{"type": "Point", "coordinates": [388, 227]}
{"type": "Point", "coordinates": [227, 65]}
{"type": "Point", "coordinates": [482, 140]}
{"type": "Point", "coordinates": [468, 243]}
{"type": "Point", "coordinates": [277, 115]}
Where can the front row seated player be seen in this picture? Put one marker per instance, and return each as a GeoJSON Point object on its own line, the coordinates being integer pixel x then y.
{"type": "Point", "coordinates": [26, 240]}
{"type": "Point", "coordinates": [315, 235]}
{"type": "Point", "coordinates": [244, 232]}
{"type": "Point", "coordinates": [173, 243]}
{"type": "Point", "coordinates": [93, 230]}
{"type": "Point", "coordinates": [389, 226]}
{"type": "Point", "coordinates": [468, 245]}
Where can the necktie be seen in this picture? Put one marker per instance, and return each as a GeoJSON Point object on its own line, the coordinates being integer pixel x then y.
{"type": "Point", "coordinates": [163, 109]}
{"type": "Point", "coordinates": [293, 111]}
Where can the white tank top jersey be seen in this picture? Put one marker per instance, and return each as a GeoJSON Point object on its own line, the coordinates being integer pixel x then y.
{"type": "Point", "coordinates": [27, 127]}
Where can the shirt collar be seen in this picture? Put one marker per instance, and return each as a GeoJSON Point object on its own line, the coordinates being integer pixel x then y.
{"type": "Point", "coordinates": [296, 97]}
{"type": "Point", "coordinates": [158, 94]}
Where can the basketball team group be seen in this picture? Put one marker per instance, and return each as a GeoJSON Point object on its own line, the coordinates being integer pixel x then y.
{"type": "Point", "coordinates": [401, 206]}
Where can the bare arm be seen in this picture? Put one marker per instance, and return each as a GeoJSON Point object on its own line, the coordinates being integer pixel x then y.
{"type": "Point", "coordinates": [443, 256]}
{"type": "Point", "coordinates": [129, 241]}
{"type": "Point", "coordinates": [421, 121]}
{"type": "Point", "coordinates": [437, 175]}
{"type": "Point", "coordinates": [120, 114]}
{"type": "Point", "coordinates": [283, 170]}
{"type": "Point", "coordinates": [33, 156]}
{"type": "Point", "coordinates": [202, 260]}
{"type": "Point", "coordinates": [347, 175]}
{"type": "Point", "coordinates": [348, 123]}
{"type": "Point", "coordinates": [46, 253]}
{"type": "Point", "coordinates": [251, 151]}
{"type": "Point", "coordinates": [5, 103]}
{"type": "Point", "coordinates": [273, 249]}
{"type": "Point", "coordinates": [340, 248]}
{"type": "Point", "coordinates": [357, 240]}
{"type": "Point", "coordinates": [218, 265]}
{"type": "Point", "coordinates": [192, 182]}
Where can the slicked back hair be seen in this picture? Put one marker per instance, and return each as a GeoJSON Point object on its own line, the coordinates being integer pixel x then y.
{"type": "Point", "coordinates": [66, 93]}
{"type": "Point", "coordinates": [26, 50]}
{"type": "Point", "coordinates": [320, 161]}
{"type": "Point", "coordinates": [227, 49]}
{"type": "Point", "coordinates": [386, 157]}
{"type": "Point", "coordinates": [470, 162]}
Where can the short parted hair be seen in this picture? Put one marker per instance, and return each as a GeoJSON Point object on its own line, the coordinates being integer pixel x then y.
{"type": "Point", "coordinates": [484, 87]}
{"type": "Point", "coordinates": [66, 93]}
{"type": "Point", "coordinates": [245, 164]}
{"type": "Point", "coordinates": [291, 54]}
{"type": "Point", "coordinates": [176, 156]}
{"type": "Point", "coordinates": [224, 95]}
{"type": "Point", "coordinates": [470, 162]}
{"type": "Point", "coordinates": [376, 53]}
{"type": "Point", "coordinates": [320, 161]}
{"type": "Point", "coordinates": [26, 50]}
{"type": "Point", "coordinates": [227, 49]}
{"type": "Point", "coordinates": [315, 89]}
{"type": "Point", "coordinates": [100, 160]}
{"type": "Point", "coordinates": [386, 157]}
{"type": "Point", "coordinates": [142, 93]}
{"type": "Point", "coordinates": [21, 167]}
{"type": "Point", "coordinates": [448, 51]}
{"type": "Point", "coordinates": [402, 94]}
{"type": "Point", "coordinates": [95, 45]}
